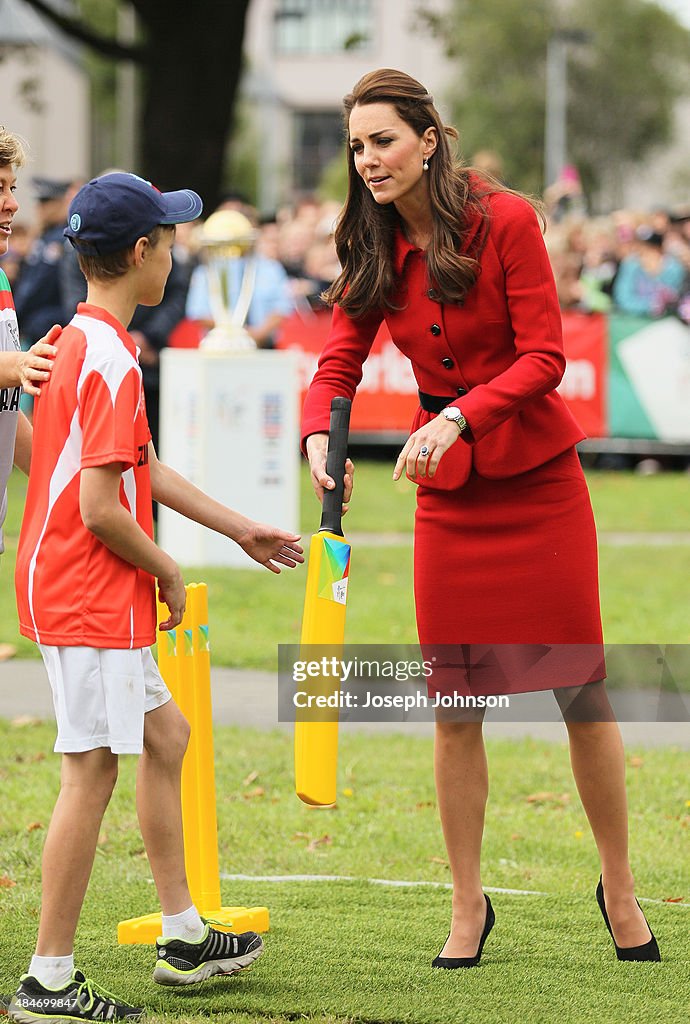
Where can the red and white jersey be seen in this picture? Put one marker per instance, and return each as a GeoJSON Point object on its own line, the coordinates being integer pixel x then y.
{"type": "Point", "coordinates": [72, 591]}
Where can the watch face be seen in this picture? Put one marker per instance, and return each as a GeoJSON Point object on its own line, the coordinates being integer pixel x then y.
{"type": "Point", "coordinates": [455, 416]}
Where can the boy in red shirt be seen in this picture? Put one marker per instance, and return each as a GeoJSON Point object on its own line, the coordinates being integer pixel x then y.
{"type": "Point", "coordinates": [86, 571]}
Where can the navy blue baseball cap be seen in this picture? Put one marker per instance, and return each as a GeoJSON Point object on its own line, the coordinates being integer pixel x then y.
{"type": "Point", "coordinates": [111, 212]}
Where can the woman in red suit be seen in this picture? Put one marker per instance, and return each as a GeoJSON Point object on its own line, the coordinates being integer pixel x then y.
{"type": "Point", "coordinates": [505, 545]}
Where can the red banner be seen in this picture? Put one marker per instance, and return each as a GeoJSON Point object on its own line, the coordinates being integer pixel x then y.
{"type": "Point", "coordinates": [585, 340]}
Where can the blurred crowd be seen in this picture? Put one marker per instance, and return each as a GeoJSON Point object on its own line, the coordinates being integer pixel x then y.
{"type": "Point", "coordinates": [634, 262]}
{"type": "Point", "coordinates": [628, 261]}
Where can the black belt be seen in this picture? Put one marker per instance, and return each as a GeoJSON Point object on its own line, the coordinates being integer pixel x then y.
{"type": "Point", "coordinates": [437, 403]}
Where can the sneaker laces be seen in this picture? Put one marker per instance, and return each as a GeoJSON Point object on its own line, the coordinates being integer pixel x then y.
{"type": "Point", "coordinates": [86, 986]}
{"type": "Point", "coordinates": [221, 926]}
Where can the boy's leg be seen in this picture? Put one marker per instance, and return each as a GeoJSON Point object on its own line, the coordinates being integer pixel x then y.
{"type": "Point", "coordinates": [159, 806]}
{"type": "Point", "coordinates": [52, 990]}
{"type": "Point", "coordinates": [190, 950]}
{"type": "Point", "coordinates": [87, 782]}
{"type": "Point", "coordinates": [96, 709]}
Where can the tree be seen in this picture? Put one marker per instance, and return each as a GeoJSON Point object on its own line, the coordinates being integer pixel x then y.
{"type": "Point", "coordinates": [624, 88]}
{"type": "Point", "coordinates": [191, 63]}
{"type": "Point", "coordinates": [623, 83]}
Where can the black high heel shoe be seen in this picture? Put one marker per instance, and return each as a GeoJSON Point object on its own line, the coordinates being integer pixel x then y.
{"type": "Point", "coordinates": [450, 963]}
{"type": "Point", "coordinates": [647, 951]}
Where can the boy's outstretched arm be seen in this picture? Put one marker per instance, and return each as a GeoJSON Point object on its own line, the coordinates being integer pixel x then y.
{"type": "Point", "coordinates": [109, 520]}
{"type": "Point", "coordinates": [267, 545]}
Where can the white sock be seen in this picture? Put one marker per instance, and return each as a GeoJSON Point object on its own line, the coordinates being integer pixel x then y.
{"type": "Point", "coordinates": [52, 971]}
{"type": "Point", "coordinates": [187, 925]}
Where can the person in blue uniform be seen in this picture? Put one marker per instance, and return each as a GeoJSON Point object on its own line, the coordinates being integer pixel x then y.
{"type": "Point", "coordinates": [37, 293]}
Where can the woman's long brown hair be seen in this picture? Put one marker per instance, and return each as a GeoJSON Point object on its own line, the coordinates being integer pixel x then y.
{"type": "Point", "coordinates": [365, 233]}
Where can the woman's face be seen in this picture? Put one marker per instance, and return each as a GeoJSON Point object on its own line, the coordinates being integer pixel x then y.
{"type": "Point", "coordinates": [388, 153]}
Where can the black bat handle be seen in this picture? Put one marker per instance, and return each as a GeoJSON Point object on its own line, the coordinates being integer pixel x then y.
{"type": "Point", "coordinates": [331, 515]}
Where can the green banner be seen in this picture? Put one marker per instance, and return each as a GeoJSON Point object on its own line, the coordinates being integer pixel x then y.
{"type": "Point", "coordinates": [649, 378]}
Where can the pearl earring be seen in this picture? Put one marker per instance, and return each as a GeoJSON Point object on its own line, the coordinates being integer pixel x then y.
{"type": "Point", "coordinates": [425, 165]}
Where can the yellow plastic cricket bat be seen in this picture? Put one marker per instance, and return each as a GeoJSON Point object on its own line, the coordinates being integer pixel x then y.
{"type": "Point", "coordinates": [323, 622]}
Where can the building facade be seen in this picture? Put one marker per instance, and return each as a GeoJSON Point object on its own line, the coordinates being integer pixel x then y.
{"type": "Point", "coordinates": [45, 96]}
{"type": "Point", "coordinates": [303, 56]}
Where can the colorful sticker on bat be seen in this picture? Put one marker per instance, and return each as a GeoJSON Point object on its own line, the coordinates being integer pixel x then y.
{"type": "Point", "coordinates": [335, 570]}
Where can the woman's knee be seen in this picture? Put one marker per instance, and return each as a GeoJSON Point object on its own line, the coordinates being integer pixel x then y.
{"type": "Point", "coordinates": [459, 732]}
{"type": "Point", "coordinates": [588, 703]}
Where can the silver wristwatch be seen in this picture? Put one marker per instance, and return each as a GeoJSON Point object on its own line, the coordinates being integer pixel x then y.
{"type": "Point", "coordinates": [451, 412]}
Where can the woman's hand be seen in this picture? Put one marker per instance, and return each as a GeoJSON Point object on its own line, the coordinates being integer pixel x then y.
{"type": "Point", "coordinates": [268, 545]}
{"type": "Point", "coordinates": [317, 449]}
{"type": "Point", "coordinates": [438, 435]}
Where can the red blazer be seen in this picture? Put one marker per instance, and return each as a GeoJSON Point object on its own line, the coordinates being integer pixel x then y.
{"type": "Point", "coordinates": [503, 345]}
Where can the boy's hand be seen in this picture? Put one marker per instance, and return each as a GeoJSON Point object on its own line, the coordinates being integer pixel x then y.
{"type": "Point", "coordinates": [268, 545]}
{"type": "Point", "coordinates": [36, 364]}
{"type": "Point", "coordinates": [171, 592]}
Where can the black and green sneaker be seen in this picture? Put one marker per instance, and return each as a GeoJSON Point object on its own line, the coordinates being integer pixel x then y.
{"type": "Point", "coordinates": [186, 963]}
{"type": "Point", "coordinates": [79, 1000]}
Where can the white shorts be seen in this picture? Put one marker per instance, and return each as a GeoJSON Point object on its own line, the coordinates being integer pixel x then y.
{"type": "Point", "coordinates": [101, 696]}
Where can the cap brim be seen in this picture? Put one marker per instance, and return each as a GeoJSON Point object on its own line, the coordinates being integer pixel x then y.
{"type": "Point", "coordinates": [181, 206]}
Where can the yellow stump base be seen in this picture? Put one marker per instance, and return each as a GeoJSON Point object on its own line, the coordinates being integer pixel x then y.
{"type": "Point", "coordinates": [145, 930]}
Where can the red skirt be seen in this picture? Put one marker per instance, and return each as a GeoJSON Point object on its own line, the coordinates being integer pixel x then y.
{"type": "Point", "coordinates": [506, 581]}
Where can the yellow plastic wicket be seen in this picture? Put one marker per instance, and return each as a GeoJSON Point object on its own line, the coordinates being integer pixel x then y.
{"type": "Point", "coordinates": [185, 663]}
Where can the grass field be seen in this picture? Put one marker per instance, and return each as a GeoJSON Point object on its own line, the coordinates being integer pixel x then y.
{"type": "Point", "coordinates": [644, 590]}
{"type": "Point", "coordinates": [347, 951]}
